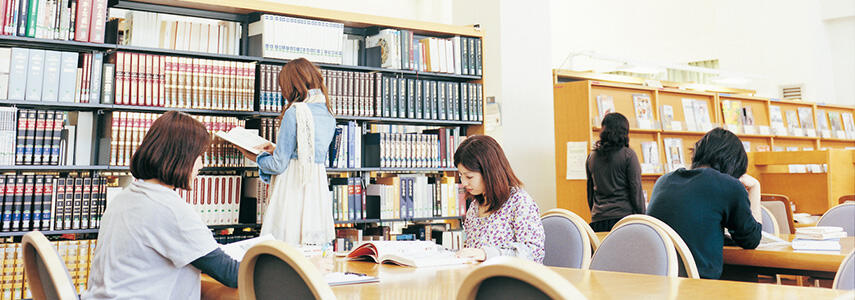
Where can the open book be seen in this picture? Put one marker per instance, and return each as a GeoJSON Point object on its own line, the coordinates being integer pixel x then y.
{"type": "Point", "coordinates": [406, 253]}
{"type": "Point", "coordinates": [243, 138]}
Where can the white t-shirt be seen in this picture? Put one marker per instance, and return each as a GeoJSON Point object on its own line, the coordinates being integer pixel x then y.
{"type": "Point", "coordinates": [147, 240]}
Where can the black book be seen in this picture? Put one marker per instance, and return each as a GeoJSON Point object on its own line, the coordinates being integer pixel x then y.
{"type": "Point", "coordinates": [69, 203]}
{"type": "Point", "coordinates": [27, 203]}
{"type": "Point", "coordinates": [39, 136]}
{"type": "Point", "coordinates": [102, 200]}
{"type": "Point", "coordinates": [29, 148]}
{"type": "Point", "coordinates": [419, 104]}
{"type": "Point", "coordinates": [59, 204]}
{"type": "Point", "coordinates": [84, 204]}
{"type": "Point", "coordinates": [470, 46]}
{"type": "Point", "coordinates": [38, 202]}
{"type": "Point", "coordinates": [477, 56]}
{"type": "Point", "coordinates": [402, 98]}
{"type": "Point", "coordinates": [464, 101]}
{"type": "Point", "coordinates": [3, 224]}
{"type": "Point", "coordinates": [393, 97]}
{"type": "Point", "coordinates": [18, 203]}
{"type": "Point", "coordinates": [450, 109]}
{"type": "Point", "coordinates": [76, 217]}
{"type": "Point", "coordinates": [411, 98]}
{"type": "Point", "coordinates": [21, 137]}
{"type": "Point", "coordinates": [441, 101]}
{"type": "Point", "coordinates": [464, 56]}
{"type": "Point", "coordinates": [434, 99]}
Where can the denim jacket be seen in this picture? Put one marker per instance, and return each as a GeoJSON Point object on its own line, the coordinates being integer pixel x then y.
{"type": "Point", "coordinates": [286, 146]}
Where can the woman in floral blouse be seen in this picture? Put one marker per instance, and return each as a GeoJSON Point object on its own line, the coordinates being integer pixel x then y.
{"type": "Point", "coordinates": [502, 219]}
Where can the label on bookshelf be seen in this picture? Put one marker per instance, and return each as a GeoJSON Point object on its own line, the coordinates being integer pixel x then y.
{"type": "Point", "coordinates": [811, 132]}
{"type": "Point", "coordinates": [764, 129]}
{"type": "Point", "coordinates": [826, 133]}
{"type": "Point", "coordinates": [733, 128]}
{"type": "Point", "coordinates": [749, 129]}
{"type": "Point", "coordinates": [645, 124]}
{"type": "Point", "coordinates": [840, 134]}
{"type": "Point", "coordinates": [797, 132]}
{"type": "Point", "coordinates": [676, 125]}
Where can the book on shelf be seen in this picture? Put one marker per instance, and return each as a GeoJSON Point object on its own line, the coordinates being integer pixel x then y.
{"type": "Point", "coordinates": [806, 121]}
{"type": "Point", "coordinates": [650, 153]}
{"type": "Point", "coordinates": [667, 115]}
{"type": "Point", "coordinates": [39, 202]}
{"type": "Point", "coordinates": [747, 146]}
{"type": "Point", "coordinates": [849, 125]}
{"type": "Point", "coordinates": [215, 197]}
{"type": "Point", "coordinates": [748, 120]}
{"type": "Point", "coordinates": [244, 139]}
{"type": "Point", "coordinates": [164, 31]}
{"type": "Point", "coordinates": [689, 114]}
{"type": "Point", "coordinates": [822, 123]}
{"type": "Point", "coordinates": [732, 111]}
{"type": "Point", "coordinates": [37, 140]}
{"type": "Point", "coordinates": [81, 21]}
{"type": "Point", "coordinates": [643, 111]}
{"type": "Point", "coordinates": [75, 255]}
{"type": "Point", "coordinates": [674, 153]}
{"type": "Point", "coordinates": [836, 122]}
{"type": "Point", "coordinates": [406, 253]}
{"type": "Point", "coordinates": [605, 105]}
{"type": "Point", "coordinates": [702, 115]}
{"type": "Point", "coordinates": [284, 37]}
{"type": "Point", "coordinates": [793, 123]}
{"type": "Point", "coordinates": [51, 76]}
{"type": "Point", "coordinates": [776, 120]}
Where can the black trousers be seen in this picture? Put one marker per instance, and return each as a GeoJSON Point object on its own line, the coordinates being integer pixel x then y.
{"type": "Point", "coordinates": [604, 225]}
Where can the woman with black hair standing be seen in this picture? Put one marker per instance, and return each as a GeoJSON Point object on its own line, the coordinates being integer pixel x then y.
{"type": "Point", "coordinates": [614, 175]}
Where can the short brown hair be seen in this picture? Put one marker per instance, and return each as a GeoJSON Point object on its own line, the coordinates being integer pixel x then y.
{"type": "Point", "coordinates": [482, 154]}
{"type": "Point", "coordinates": [170, 148]}
{"type": "Point", "coordinates": [296, 78]}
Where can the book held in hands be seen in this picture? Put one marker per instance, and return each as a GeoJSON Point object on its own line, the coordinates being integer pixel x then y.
{"type": "Point", "coordinates": [406, 253]}
{"type": "Point", "coordinates": [244, 139]}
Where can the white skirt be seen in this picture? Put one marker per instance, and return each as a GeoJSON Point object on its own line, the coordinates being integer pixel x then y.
{"type": "Point", "coordinates": [300, 215]}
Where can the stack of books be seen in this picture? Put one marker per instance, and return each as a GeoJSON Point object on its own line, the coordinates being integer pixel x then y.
{"type": "Point", "coordinates": [818, 238]}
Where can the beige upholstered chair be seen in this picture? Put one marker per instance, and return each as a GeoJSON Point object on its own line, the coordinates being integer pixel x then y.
{"type": "Point", "coordinates": [845, 278]}
{"type": "Point", "coordinates": [842, 215]}
{"type": "Point", "coordinates": [637, 245]}
{"type": "Point", "coordinates": [514, 278]}
{"type": "Point", "coordinates": [568, 241]}
{"type": "Point", "coordinates": [272, 269]}
{"type": "Point", "coordinates": [770, 225]}
{"type": "Point", "coordinates": [686, 264]}
{"type": "Point", "coordinates": [46, 273]}
{"type": "Point", "coordinates": [780, 207]}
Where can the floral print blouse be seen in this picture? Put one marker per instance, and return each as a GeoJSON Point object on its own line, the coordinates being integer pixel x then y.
{"type": "Point", "coordinates": [513, 230]}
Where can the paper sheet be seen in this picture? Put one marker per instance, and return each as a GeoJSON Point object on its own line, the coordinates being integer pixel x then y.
{"type": "Point", "coordinates": [577, 155]}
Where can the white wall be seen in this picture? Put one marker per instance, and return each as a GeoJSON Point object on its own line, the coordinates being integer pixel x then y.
{"type": "Point", "coordinates": [782, 41]}
{"type": "Point", "coordinates": [438, 11]}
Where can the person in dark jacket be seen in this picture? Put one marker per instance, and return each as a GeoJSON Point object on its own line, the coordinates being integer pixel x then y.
{"type": "Point", "coordinates": [699, 203]}
{"type": "Point", "coordinates": [614, 175]}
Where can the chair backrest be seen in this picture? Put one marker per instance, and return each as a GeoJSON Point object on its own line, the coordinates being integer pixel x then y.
{"type": "Point", "coordinates": [845, 278]}
{"type": "Point", "coordinates": [567, 243]}
{"type": "Point", "coordinates": [686, 266]}
{"type": "Point", "coordinates": [769, 223]}
{"type": "Point", "coordinates": [842, 215]}
{"type": "Point", "coordinates": [272, 269]}
{"type": "Point", "coordinates": [506, 277]}
{"type": "Point", "coordinates": [46, 273]}
{"type": "Point", "coordinates": [637, 246]}
{"type": "Point", "coordinates": [845, 198]}
{"type": "Point", "coordinates": [781, 208]}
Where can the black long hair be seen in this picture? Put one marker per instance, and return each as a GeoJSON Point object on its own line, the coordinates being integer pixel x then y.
{"type": "Point", "coordinates": [721, 150]}
{"type": "Point", "coordinates": [615, 134]}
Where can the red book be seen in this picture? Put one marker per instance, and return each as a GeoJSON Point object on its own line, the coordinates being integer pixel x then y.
{"type": "Point", "coordinates": [84, 17]}
{"type": "Point", "coordinates": [155, 80]}
{"type": "Point", "coordinates": [120, 77]}
{"type": "Point", "coordinates": [128, 78]}
{"type": "Point", "coordinates": [84, 82]}
{"type": "Point", "coordinates": [136, 86]}
{"type": "Point", "coordinates": [148, 71]}
{"type": "Point", "coordinates": [99, 21]}
{"type": "Point", "coordinates": [161, 81]}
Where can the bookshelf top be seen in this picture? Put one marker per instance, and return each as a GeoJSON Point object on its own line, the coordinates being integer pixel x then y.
{"type": "Point", "coordinates": [561, 75]}
{"type": "Point", "coordinates": [348, 18]}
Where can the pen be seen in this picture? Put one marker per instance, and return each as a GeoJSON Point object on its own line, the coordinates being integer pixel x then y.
{"type": "Point", "coordinates": [354, 273]}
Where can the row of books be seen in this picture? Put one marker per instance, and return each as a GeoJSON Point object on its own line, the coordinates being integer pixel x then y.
{"type": "Point", "coordinates": [432, 148]}
{"type": "Point", "coordinates": [38, 140]}
{"type": "Point", "coordinates": [48, 202]}
{"type": "Point", "coordinates": [215, 198]}
{"type": "Point", "coordinates": [77, 256]}
{"type": "Point", "coordinates": [50, 76]}
{"type": "Point", "coordinates": [401, 49]}
{"type": "Point", "coordinates": [291, 38]}
{"type": "Point", "coordinates": [269, 94]}
{"type": "Point", "coordinates": [346, 147]}
{"type": "Point", "coordinates": [352, 93]}
{"type": "Point", "coordinates": [78, 20]}
{"type": "Point", "coordinates": [831, 124]}
{"type": "Point", "coordinates": [156, 30]}
{"type": "Point", "coordinates": [8, 135]}
{"type": "Point", "coordinates": [396, 197]}
{"type": "Point", "coordinates": [270, 128]}
{"type": "Point", "coordinates": [429, 99]}
{"type": "Point", "coordinates": [183, 82]}
{"type": "Point", "coordinates": [126, 131]}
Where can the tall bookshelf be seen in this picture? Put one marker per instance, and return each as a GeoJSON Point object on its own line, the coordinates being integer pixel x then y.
{"type": "Point", "coordinates": [576, 115]}
{"type": "Point", "coordinates": [242, 12]}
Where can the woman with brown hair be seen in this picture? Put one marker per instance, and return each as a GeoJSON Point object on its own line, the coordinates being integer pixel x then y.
{"type": "Point", "coordinates": [300, 208]}
{"type": "Point", "coordinates": [152, 244]}
{"type": "Point", "coordinates": [502, 219]}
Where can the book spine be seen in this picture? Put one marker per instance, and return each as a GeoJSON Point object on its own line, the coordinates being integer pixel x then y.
{"type": "Point", "coordinates": [8, 189]}
{"type": "Point", "coordinates": [69, 204]}
{"type": "Point", "coordinates": [38, 202]}
{"type": "Point", "coordinates": [83, 20]}
{"type": "Point", "coordinates": [27, 203]}
{"type": "Point", "coordinates": [86, 196]}
{"type": "Point", "coordinates": [58, 204]}
{"type": "Point", "coordinates": [98, 21]}
{"type": "Point", "coordinates": [35, 75]}
{"type": "Point", "coordinates": [77, 204]}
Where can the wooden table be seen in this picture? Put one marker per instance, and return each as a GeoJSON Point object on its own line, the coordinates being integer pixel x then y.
{"type": "Point", "coordinates": [785, 260]}
{"type": "Point", "coordinates": [442, 283]}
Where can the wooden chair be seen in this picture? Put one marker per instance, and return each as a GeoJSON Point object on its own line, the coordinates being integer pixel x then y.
{"type": "Point", "coordinates": [686, 265]}
{"type": "Point", "coordinates": [770, 225]}
{"type": "Point", "coordinates": [513, 278]}
{"type": "Point", "coordinates": [46, 273]}
{"type": "Point", "coordinates": [637, 246]}
{"type": "Point", "coordinates": [780, 207]}
{"type": "Point", "coordinates": [845, 198]}
{"type": "Point", "coordinates": [568, 241]}
{"type": "Point", "coordinates": [273, 269]}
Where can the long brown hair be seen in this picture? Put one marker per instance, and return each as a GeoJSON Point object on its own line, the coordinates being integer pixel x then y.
{"type": "Point", "coordinates": [482, 154]}
{"type": "Point", "coordinates": [296, 78]}
{"type": "Point", "coordinates": [170, 148]}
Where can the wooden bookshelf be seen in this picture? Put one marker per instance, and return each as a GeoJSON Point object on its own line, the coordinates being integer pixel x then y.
{"type": "Point", "coordinates": [576, 115]}
{"type": "Point", "coordinates": [812, 193]}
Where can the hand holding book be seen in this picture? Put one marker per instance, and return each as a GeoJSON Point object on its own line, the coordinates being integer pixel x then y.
{"type": "Point", "coordinates": [247, 142]}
